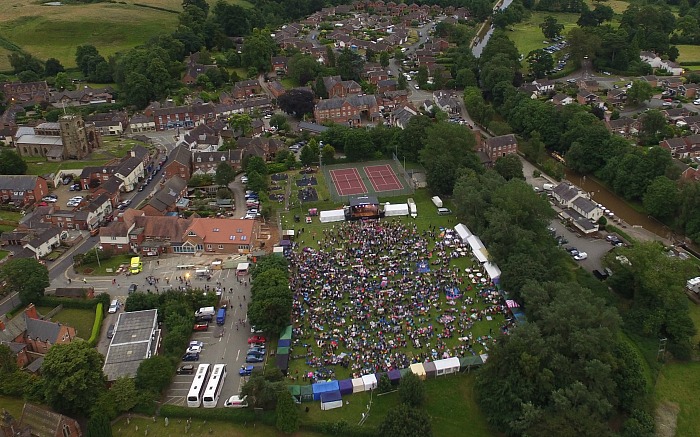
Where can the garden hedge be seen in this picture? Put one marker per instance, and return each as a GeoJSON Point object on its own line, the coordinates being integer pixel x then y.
{"type": "Point", "coordinates": [97, 325]}
{"type": "Point", "coordinates": [235, 415]}
{"type": "Point", "coordinates": [68, 302]}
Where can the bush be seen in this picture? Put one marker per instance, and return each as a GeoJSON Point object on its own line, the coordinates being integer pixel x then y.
{"type": "Point", "coordinates": [339, 428]}
{"type": "Point", "coordinates": [97, 325]}
{"type": "Point", "coordinates": [278, 167]}
{"type": "Point", "coordinates": [235, 415]}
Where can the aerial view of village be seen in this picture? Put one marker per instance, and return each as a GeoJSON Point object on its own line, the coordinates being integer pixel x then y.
{"type": "Point", "coordinates": [349, 218]}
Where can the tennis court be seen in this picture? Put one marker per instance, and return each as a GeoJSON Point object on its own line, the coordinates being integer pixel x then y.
{"type": "Point", "coordinates": [348, 182]}
{"type": "Point", "coordinates": [383, 178]}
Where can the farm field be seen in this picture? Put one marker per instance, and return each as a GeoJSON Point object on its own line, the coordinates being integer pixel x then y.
{"type": "Point", "coordinates": [688, 53]}
{"type": "Point", "coordinates": [110, 27]}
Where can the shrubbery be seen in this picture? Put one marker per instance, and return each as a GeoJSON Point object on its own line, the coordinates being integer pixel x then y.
{"type": "Point", "coordinates": [97, 325]}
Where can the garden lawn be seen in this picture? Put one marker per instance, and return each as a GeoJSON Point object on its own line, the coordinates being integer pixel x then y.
{"type": "Point", "coordinates": [118, 147]}
{"type": "Point", "coordinates": [138, 426]}
{"type": "Point", "coordinates": [39, 166]}
{"type": "Point", "coordinates": [688, 53]}
{"type": "Point", "coordinates": [528, 35]}
{"type": "Point", "coordinates": [111, 27]}
{"type": "Point", "coordinates": [680, 383]}
{"type": "Point", "coordinates": [12, 405]}
{"type": "Point", "coordinates": [80, 319]}
{"type": "Point", "coordinates": [3, 254]}
{"type": "Point", "coordinates": [12, 216]}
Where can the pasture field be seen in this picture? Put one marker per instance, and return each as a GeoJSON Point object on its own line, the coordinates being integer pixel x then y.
{"type": "Point", "coordinates": [176, 5]}
{"type": "Point", "coordinates": [618, 6]}
{"type": "Point", "coordinates": [55, 31]}
{"type": "Point", "coordinates": [688, 53]}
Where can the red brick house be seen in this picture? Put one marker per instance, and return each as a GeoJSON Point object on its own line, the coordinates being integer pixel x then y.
{"type": "Point", "coordinates": [497, 147]}
{"type": "Point", "coordinates": [348, 110]}
{"type": "Point", "coordinates": [179, 164]}
{"type": "Point", "coordinates": [22, 189]}
{"type": "Point", "coordinates": [166, 198]}
{"type": "Point", "coordinates": [173, 117]}
{"type": "Point", "coordinates": [29, 92]}
{"type": "Point", "coordinates": [336, 87]}
{"type": "Point", "coordinates": [246, 88]}
{"type": "Point", "coordinates": [224, 236]}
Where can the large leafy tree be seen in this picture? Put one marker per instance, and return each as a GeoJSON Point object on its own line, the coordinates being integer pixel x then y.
{"type": "Point", "coordinates": [154, 374]}
{"type": "Point", "coordinates": [349, 65]}
{"type": "Point", "coordinates": [225, 174]}
{"type": "Point", "coordinates": [73, 378]}
{"type": "Point", "coordinates": [287, 414]}
{"type": "Point", "coordinates": [449, 147]}
{"type": "Point", "coordinates": [297, 102]}
{"type": "Point", "coordinates": [11, 162]}
{"type": "Point", "coordinates": [241, 123]}
{"type": "Point", "coordinates": [271, 308]}
{"type": "Point", "coordinates": [551, 28]}
{"type": "Point", "coordinates": [303, 68]}
{"type": "Point", "coordinates": [26, 276]}
{"type": "Point", "coordinates": [509, 167]}
{"type": "Point", "coordinates": [661, 197]}
{"type": "Point", "coordinates": [258, 49]}
{"type": "Point", "coordinates": [640, 91]}
{"type": "Point", "coordinates": [412, 390]}
{"type": "Point", "coordinates": [405, 421]}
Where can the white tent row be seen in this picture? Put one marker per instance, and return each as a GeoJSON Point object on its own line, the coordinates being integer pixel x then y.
{"type": "Point", "coordinates": [447, 366]}
{"type": "Point", "coordinates": [463, 232]}
{"type": "Point", "coordinates": [394, 210]}
{"type": "Point", "coordinates": [475, 243]}
{"type": "Point", "coordinates": [335, 215]}
{"type": "Point", "coordinates": [482, 255]}
{"type": "Point", "coordinates": [493, 271]}
{"type": "Point", "coordinates": [370, 381]}
{"type": "Point", "coordinates": [358, 385]}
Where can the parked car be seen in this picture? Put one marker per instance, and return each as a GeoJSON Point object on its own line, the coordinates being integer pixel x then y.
{"type": "Point", "coordinates": [201, 327]}
{"type": "Point", "coordinates": [444, 211]}
{"type": "Point", "coordinates": [196, 343]}
{"type": "Point", "coordinates": [194, 350]}
{"type": "Point", "coordinates": [190, 357]}
{"type": "Point", "coordinates": [244, 179]}
{"type": "Point", "coordinates": [187, 369]}
{"type": "Point", "coordinates": [132, 288]}
{"type": "Point", "coordinates": [245, 370]}
{"type": "Point", "coordinates": [580, 256]}
{"type": "Point", "coordinates": [236, 401]}
{"type": "Point", "coordinates": [256, 339]}
{"type": "Point", "coordinates": [50, 198]}
{"type": "Point", "coordinates": [110, 331]}
{"type": "Point", "coordinates": [257, 352]}
{"type": "Point", "coordinates": [254, 359]}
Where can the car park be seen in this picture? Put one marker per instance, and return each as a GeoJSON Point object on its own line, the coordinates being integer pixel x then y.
{"type": "Point", "coordinates": [186, 369]}
{"type": "Point", "coordinates": [190, 357]}
{"type": "Point", "coordinates": [246, 370]}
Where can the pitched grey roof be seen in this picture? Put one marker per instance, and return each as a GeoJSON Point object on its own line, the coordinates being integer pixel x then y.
{"type": "Point", "coordinates": [182, 155]}
{"type": "Point", "coordinates": [503, 140]}
{"type": "Point", "coordinates": [168, 195]}
{"type": "Point", "coordinates": [42, 329]}
{"type": "Point", "coordinates": [17, 182]}
{"type": "Point", "coordinates": [585, 205]}
{"type": "Point", "coordinates": [44, 237]}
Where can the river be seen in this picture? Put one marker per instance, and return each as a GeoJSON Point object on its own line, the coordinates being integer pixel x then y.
{"type": "Point", "coordinates": [601, 194]}
{"type": "Point", "coordinates": [487, 30]}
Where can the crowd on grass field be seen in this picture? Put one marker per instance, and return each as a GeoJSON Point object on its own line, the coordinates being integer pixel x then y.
{"type": "Point", "coordinates": [380, 294]}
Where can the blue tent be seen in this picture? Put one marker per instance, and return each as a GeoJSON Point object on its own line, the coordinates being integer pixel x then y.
{"type": "Point", "coordinates": [345, 386]}
{"type": "Point", "coordinates": [283, 342]}
{"type": "Point", "coordinates": [394, 376]}
{"type": "Point", "coordinates": [324, 387]}
{"type": "Point", "coordinates": [331, 400]}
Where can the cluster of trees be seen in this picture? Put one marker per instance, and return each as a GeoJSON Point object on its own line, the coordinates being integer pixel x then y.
{"type": "Point", "coordinates": [271, 299]}
{"type": "Point", "coordinates": [11, 162]}
{"type": "Point", "coordinates": [25, 276]}
{"type": "Point", "coordinates": [409, 418]}
{"type": "Point", "coordinates": [30, 69]}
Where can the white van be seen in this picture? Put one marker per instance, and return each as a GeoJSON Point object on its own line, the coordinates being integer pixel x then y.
{"type": "Point", "coordinates": [113, 307]}
{"type": "Point", "coordinates": [201, 272]}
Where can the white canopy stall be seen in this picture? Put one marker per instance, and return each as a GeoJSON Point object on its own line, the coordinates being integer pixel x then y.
{"type": "Point", "coordinates": [463, 232]}
{"type": "Point", "coordinates": [493, 271]}
{"type": "Point", "coordinates": [370, 382]}
{"type": "Point", "coordinates": [335, 215]}
{"type": "Point", "coordinates": [358, 385]}
{"type": "Point", "coordinates": [447, 366]}
{"type": "Point", "coordinates": [395, 210]}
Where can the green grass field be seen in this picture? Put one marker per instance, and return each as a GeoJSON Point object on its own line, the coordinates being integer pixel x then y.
{"type": "Point", "coordinates": [12, 405]}
{"type": "Point", "coordinates": [39, 165]}
{"type": "Point", "coordinates": [688, 53]}
{"type": "Point", "coordinates": [680, 383]}
{"type": "Point", "coordinates": [81, 320]}
{"type": "Point", "coordinates": [176, 5]}
{"type": "Point", "coordinates": [618, 6]}
{"type": "Point", "coordinates": [527, 35]}
{"type": "Point", "coordinates": [138, 426]}
{"type": "Point", "coordinates": [55, 31]}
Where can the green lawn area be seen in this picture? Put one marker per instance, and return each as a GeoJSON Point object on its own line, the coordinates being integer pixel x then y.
{"type": "Point", "coordinates": [12, 405]}
{"type": "Point", "coordinates": [12, 216]}
{"type": "Point", "coordinates": [4, 61]}
{"type": "Point", "coordinates": [289, 83]}
{"type": "Point", "coordinates": [138, 425]}
{"type": "Point", "coordinates": [39, 166]}
{"type": "Point", "coordinates": [118, 147]}
{"type": "Point", "coordinates": [618, 6]}
{"type": "Point", "coordinates": [7, 228]}
{"type": "Point", "coordinates": [688, 53]}
{"type": "Point", "coordinates": [680, 384]}
{"type": "Point", "coordinates": [528, 35]}
{"type": "Point", "coordinates": [111, 27]}
{"type": "Point", "coordinates": [80, 319]}
{"type": "Point", "coordinates": [3, 254]}
{"type": "Point", "coordinates": [101, 269]}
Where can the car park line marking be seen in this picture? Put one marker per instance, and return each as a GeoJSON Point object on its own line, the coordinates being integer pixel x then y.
{"type": "Point", "coordinates": [238, 355]}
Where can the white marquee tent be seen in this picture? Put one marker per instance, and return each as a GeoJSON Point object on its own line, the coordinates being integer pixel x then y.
{"type": "Point", "coordinates": [335, 215]}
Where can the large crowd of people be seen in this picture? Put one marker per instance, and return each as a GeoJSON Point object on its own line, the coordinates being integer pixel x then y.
{"type": "Point", "coordinates": [379, 295]}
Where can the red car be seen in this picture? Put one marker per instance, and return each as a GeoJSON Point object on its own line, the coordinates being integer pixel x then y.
{"type": "Point", "coordinates": [201, 326]}
{"type": "Point", "coordinates": [256, 339]}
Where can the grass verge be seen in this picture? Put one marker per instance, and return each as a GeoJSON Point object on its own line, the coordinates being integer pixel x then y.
{"type": "Point", "coordinates": [680, 383]}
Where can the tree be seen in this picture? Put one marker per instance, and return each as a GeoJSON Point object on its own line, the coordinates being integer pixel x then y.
{"type": "Point", "coordinates": [320, 88]}
{"type": "Point", "coordinates": [241, 123]}
{"type": "Point", "coordinates": [412, 390]}
{"type": "Point", "coordinates": [652, 122]}
{"type": "Point", "coordinates": [28, 76]}
{"type": "Point", "coordinates": [640, 91]}
{"type": "Point", "coordinates": [73, 378]}
{"type": "Point", "coordinates": [328, 154]}
{"type": "Point", "coordinates": [349, 65]}
{"type": "Point", "coordinates": [263, 393]}
{"type": "Point", "coordinates": [123, 394]}
{"type": "Point", "coordinates": [303, 68]}
{"type": "Point", "coordinates": [225, 174]}
{"type": "Point", "coordinates": [52, 67]}
{"type": "Point", "coordinates": [405, 421]}
{"type": "Point", "coordinates": [330, 56]}
{"type": "Point", "coordinates": [384, 59]}
{"type": "Point", "coordinates": [279, 121]}
{"type": "Point", "coordinates": [540, 62]}
{"type": "Point", "coordinates": [402, 82]}
{"type": "Point", "coordinates": [258, 48]}
{"type": "Point", "coordinates": [422, 76]}
{"type": "Point", "coordinates": [63, 82]}
{"type": "Point", "coordinates": [154, 374]}
{"type": "Point", "coordinates": [21, 61]}
{"type": "Point", "coordinates": [11, 163]}
{"type": "Point", "coordinates": [448, 148]}
{"type": "Point", "coordinates": [83, 55]}
{"type": "Point", "coordinates": [26, 276]}
{"type": "Point", "coordinates": [297, 102]}
{"type": "Point", "coordinates": [99, 425]}
{"type": "Point", "coordinates": [660, 198]}
{"type": "Point", "coordinates": [509, 166]}
{"type": "Point", "coordinates": [287, 414]}
{"type": "Point", "coordinates": [269, 262]}
{"type": "Point", "coordinates": [270, 308]}
{"type": "Point", "coordinates": [307, 156]}
{"type": "Point", "coordinates": [256, 164]}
